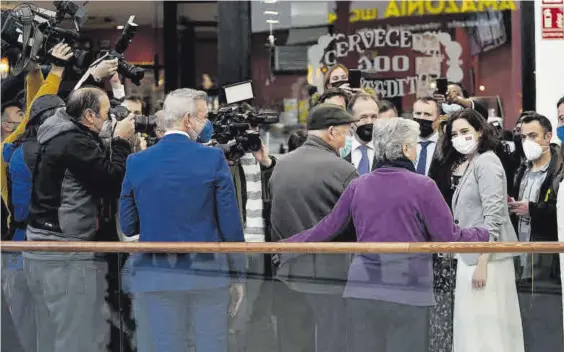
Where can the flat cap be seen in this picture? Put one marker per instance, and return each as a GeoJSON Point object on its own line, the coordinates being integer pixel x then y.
{"type": "Point", "coordinates": [324, 115]}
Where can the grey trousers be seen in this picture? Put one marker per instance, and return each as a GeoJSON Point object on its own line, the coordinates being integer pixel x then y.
{"type": "Point", "coordinates": [69, 295]}
{"type": "Point", "coordinates": [19, 301]}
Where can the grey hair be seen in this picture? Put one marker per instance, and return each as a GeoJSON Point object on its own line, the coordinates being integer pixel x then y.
{"type": "Point", "coordinates": [180, 102]}
{"type": "Point", "coordinates": [390, 135]}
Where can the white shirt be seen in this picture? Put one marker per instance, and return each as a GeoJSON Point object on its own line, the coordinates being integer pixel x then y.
{"type": "Point", "coordinates": [430, 150]}
{"type": "Point", "coordinates": [356, 154]}
{"type": "Point", "coordinates": [177, 132]}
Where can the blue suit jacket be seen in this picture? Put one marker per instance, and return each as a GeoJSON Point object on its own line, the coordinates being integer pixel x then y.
{"type": "Point", "coordinates": [179, 191]}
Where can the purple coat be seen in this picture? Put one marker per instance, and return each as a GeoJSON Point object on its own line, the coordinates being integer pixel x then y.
{"type": "Point", "coordinates": [392, 204]}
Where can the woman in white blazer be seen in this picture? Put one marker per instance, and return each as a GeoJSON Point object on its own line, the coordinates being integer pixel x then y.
{"type": "Point", "coordinates": [486, 307]}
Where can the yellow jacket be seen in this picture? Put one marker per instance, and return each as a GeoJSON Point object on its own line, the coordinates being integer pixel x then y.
{"type": "Point", "coordinates": [36, 87]}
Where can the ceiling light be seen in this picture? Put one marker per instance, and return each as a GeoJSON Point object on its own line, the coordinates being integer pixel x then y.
{"type": "Point", "coordinates": [272, 21]}
{"type": "Point", "coordinates": [482, 88]}
{"type": "Point", "coordinates": [120, 27]}
{"type": "Point", "coordinates": [269, 1]}
{"type": "Point", "coordinates": [274, 13]}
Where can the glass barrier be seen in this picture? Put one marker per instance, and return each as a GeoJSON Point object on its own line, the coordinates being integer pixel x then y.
{"type": "Point", "coordinates": [70, 301]}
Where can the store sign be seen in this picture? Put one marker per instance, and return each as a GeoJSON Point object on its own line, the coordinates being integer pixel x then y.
{"type": "Point", "coordinates": [427, 63]}
{"type": "Point", "coordinates": [406, 8]}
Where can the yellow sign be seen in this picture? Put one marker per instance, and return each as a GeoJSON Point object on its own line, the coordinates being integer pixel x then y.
{"type": "Point", "coordinates": [406, 8]}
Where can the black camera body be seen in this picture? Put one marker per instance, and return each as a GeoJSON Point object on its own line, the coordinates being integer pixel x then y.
{"type": "Point", "coordinates": [134, 73]}
{"type": "Point", "coordinates": [35, 31]}
{"type": "Point", "coordinates": [233, 129]}
{"type": "Point", "coordinates": [143, 124]}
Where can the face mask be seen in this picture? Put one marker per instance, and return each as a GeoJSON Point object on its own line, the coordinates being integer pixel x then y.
{"type": "Point", "coordinates": [560, 133]}
{"type": "Point", "coordinates": [426, 127]}
{"type": "Point", "coordinates": [465, 145]}
{"type": "Point", "coordinates": [451, 108]}
{"type": "Point", "coordinates": [364, 132]}
{"type": "Point", "coordinates": [337, 84]}
{"type": "Point", "coordinates": [206, 133]}
{"type": "Point", "coordinates": [532, 150]}
{"type": "Point", "coordinates": [346, 150]}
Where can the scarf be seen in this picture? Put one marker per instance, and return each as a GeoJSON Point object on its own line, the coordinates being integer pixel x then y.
{"type": "Point", "coordinates": [402, 163]}
{"type": "Point", "coordinates": [254, 221]}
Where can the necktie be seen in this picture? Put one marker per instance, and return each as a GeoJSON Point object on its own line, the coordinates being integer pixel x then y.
{"type": "Point", "coordinates": [364, 165]}
{"type": "Point", "coordinates": [421, 166]}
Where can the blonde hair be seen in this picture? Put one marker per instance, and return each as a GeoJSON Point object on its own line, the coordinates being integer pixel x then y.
{"type": "Point", "coordinates": [331, 70]}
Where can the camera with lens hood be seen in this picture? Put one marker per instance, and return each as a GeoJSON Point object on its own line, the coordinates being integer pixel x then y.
{"type": "Point", "coordinates": [234, 125]}
{"type": "Point", "coordinates": [143, 124]}
{"type": "Point", "coordinates": [30, 33]}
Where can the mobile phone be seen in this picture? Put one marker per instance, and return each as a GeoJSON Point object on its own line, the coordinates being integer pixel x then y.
{"type": "Point", "coordinates": [442, 86]}
{"type": "Point", "coordinates": [354, 78]}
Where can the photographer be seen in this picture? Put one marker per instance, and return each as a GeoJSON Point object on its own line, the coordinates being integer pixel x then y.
{"type": "Point", "coordinates": [20, 157]}
{"type": "Point", "coordinates": [36, 87]}
{"type": "Point", "coordinates": [74, 172]}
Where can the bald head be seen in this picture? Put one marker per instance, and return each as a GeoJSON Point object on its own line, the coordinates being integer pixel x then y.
{"type": "Point", "coordinates": [83, 99]}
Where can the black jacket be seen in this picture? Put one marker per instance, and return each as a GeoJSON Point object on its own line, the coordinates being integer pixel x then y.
{"type": "Point", "coordinates": [543, 213]}
{"type": "Point", "coordinates": [74, 172]}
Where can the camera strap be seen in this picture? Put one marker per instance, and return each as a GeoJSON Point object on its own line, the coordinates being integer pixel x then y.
{"type": "Point", "coordinates": [26, 17]}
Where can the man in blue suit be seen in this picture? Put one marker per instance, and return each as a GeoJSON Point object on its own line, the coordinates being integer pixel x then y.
{"type": "Point", "coordinates": [180, 191]}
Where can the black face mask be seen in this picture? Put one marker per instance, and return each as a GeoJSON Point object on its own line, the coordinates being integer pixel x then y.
{"type": "Point", "coordinates": [338, 84]}
{"type": "Point", "coordinates": [426, 127]}
{"type": "Point", "coordinates": [364, 132]}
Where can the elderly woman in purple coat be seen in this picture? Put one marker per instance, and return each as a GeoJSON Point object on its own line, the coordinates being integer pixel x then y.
{"type": "Point", "coordinates": [388, 295]}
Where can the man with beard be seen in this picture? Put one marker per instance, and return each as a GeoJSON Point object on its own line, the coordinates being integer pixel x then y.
{"type": "Point", "coordinates": [364, 108]}
{"type": "Point", "coordinates": [426, 111]}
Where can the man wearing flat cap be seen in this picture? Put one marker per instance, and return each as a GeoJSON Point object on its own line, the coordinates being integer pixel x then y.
{"type": "Point", "coordinates": [305, 186]}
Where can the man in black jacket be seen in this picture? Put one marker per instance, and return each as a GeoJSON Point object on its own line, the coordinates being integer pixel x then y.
{"type": "Point", "coordinates": [74, 172]}
{"type": "Point", "coordinates": [534, 217]}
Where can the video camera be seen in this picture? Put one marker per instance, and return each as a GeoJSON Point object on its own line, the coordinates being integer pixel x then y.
{"type": "Point", "coordinates": [134, 73]}
{"type": "Point", "coordinates": [233, 124]}
{"type": "Point", "coordinates": [34, 31]}
{"type": "Point", "coordinates": [143, 124]}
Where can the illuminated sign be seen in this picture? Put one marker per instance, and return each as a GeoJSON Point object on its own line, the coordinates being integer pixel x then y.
{"type": "Point", "coordinates": [406, 8]}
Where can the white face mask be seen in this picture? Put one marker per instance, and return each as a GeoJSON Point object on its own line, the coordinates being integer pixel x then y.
{"type": "Point", "coordinates": [451, 108]}
{"type": "Point", "coordinates": [465, 144]}
{"type": "Point", "coordinates": [532, 150]}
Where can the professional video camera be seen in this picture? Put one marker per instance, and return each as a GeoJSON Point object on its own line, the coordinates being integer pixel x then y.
{"type": "Point", "coordinates": [134, 73]}
{"type": "Point", "coordinates": [233, 124]}
{"type": "Point", "coordinates": [34, 31]}
{"type": "Point", "coordinates": [143, 124]}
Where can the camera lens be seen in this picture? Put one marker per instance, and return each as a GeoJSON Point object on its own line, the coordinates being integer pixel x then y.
{"type": "Point", "coordinates": [146, 124]}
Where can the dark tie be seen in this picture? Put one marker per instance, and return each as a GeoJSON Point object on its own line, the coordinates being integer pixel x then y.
{"type": "Point", "coordinates": [364, 165]}
{"type": "Point", "coordinates": [423, 157]}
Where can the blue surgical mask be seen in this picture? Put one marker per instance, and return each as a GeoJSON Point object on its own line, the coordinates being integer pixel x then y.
{"type": "Point", "coordinates": [346, 150]}
{"type": "Point", "coordinates": [206, 133]}
{"type": "Point", "coordinates": [560, 133]}
{"type": "Point", "coordinates": [451, 108]}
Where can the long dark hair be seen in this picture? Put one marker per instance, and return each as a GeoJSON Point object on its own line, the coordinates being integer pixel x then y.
{"type": "Point", "coordinates": [488, 140]}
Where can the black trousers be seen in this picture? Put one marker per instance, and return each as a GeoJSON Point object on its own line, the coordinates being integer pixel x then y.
{"type": "Point", "coordinates": [378, 326]}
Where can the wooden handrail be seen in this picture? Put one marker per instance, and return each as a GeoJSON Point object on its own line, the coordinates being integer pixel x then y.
{"type": "Point", "coordinates": [239, 247]}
